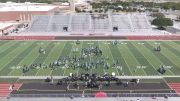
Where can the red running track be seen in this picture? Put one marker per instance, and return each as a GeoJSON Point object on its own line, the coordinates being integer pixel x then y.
{"type": "Point", "coordinates": [27, 38]}
{"type": "Point", "coordinates": [133, 37]}
{"type": "Point", "coordinates": [4, 89]}
{"type": "Point", "coordinates": [160, 37]}
{"type": "Point", "coordinates": [175, 87]}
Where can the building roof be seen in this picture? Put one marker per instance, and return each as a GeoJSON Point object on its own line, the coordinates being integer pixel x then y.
{"type": "Point", "coordinates": [8, 7]}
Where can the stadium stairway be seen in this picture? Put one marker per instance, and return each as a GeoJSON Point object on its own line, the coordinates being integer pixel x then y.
{"type": "Point", "coordinates": [175, 87]}
{"type": "Point", "coordinates": [4, 89]}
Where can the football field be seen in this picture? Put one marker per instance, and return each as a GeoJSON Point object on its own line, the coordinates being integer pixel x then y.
{"type": "Point", "coordinates": [126, 58]}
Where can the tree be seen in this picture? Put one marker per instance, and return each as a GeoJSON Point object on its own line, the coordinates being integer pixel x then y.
{"type": "Point", "coordinates": [162, 22]}
{"type": "Point", "coordinates": [95, 10]}
{"type": "Point", "coordinates": [158, 15]}
{"type": "Point", "coordinates": [77, 10]}
{"type": "Point", "coordinates": [90, 11]}
{"type": "Point", "coordinates": [45, 1]}
{"type": "Point", "coordinates": [105, 10]}
{"type": "Point", "coordinates": [178, 17]}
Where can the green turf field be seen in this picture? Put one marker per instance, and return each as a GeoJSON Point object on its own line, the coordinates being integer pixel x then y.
{"type": "Point", "coordinates": [137, 58]}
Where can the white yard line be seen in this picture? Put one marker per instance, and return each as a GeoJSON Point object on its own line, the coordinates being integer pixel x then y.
{"type": "Point", "coordinates": [33, 61]}
{"type": "Point", "coordinates": [134, 59]}
{"type": "Point", "coordinates": [113, 59]}
{"type": "Point", "coordinates": [36, 57]}
{"type": "Point", "coordinates": [125, 62]}
{"type": "Point", "coordinates": [148, 59]}
{"type": "Point", "coordinates": [80, 54]}
{"type": "Point", "coordinates": [19, 62]}
{"type": "Point", "coordinates": [104, 56]}
{"type": "Point", "coordinates": [69, 55]}
{"type": "Point", "coordinates": [43, 61]}
{"type": "Point", "coordinates": [168, 57]}
{"type": "Point", "coordinates": [57, 58]}
{"type": "Point", "coordinates": [104, 71]}
{"type": "Point", "coordinates": [161, 61]}
{"type": "Point", "coordinates": [90, 62]}
{"type": "Point", "coordinates": [77, 72]}
{"type": "Point", "coordinates": [10, 44]}
{"type": "Point", "coordinates": [11, 59]}
{"type": "Point", "coordinates": [47, 59]}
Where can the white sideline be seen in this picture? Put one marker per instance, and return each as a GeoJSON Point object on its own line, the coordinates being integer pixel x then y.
{"type": "Point", "coordinates": [59, 77]}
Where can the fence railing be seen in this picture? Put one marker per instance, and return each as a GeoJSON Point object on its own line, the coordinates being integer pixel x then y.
{"type": "Point", "coordinates": [93, 95]}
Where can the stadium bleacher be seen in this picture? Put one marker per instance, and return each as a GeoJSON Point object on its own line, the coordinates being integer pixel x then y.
{"type": "Point", "coordinates": [80, 22]}
{"type": "Point", "coordinates": [89, 22]}
{"type": "Point", "coordinates": [139, 22]}
{"type": "Point", "coordinates": [40, 23]}
{"type": "Point", "coordinates": [121, 21]}
{"type": "Point", "coordinates": [57, 22]}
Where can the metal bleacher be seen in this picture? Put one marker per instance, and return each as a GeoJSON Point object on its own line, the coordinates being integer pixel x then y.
{"type": "Point", "coordinates": [58, 22]}
{"type": "Point", "coordinates": [80, 22]}
{"type": "Point", "coordinates": [140, 22]}
{"type": "Point", "coordinates": [39, 23]}
{"type": "Point", "coordinates": [85, 22]}
{"type": "Point", "coordinates": [100, 22]}
{"type": "Point", "coordinates": [121, 20]}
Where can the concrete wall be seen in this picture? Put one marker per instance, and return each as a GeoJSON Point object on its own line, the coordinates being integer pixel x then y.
{"type": "Point", "coordinates": [23, 16]}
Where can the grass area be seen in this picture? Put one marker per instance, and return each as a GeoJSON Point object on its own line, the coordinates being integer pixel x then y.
{"type": "Point", "coordinates": [136, 58]}
{"type": "Point", "coordinates": [8, 80]}
{"type": "Point", "coordinates": [172, 79]}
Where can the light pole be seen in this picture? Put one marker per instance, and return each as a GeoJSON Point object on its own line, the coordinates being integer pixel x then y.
{"type": "Point", "coordinates": [27, 11]}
